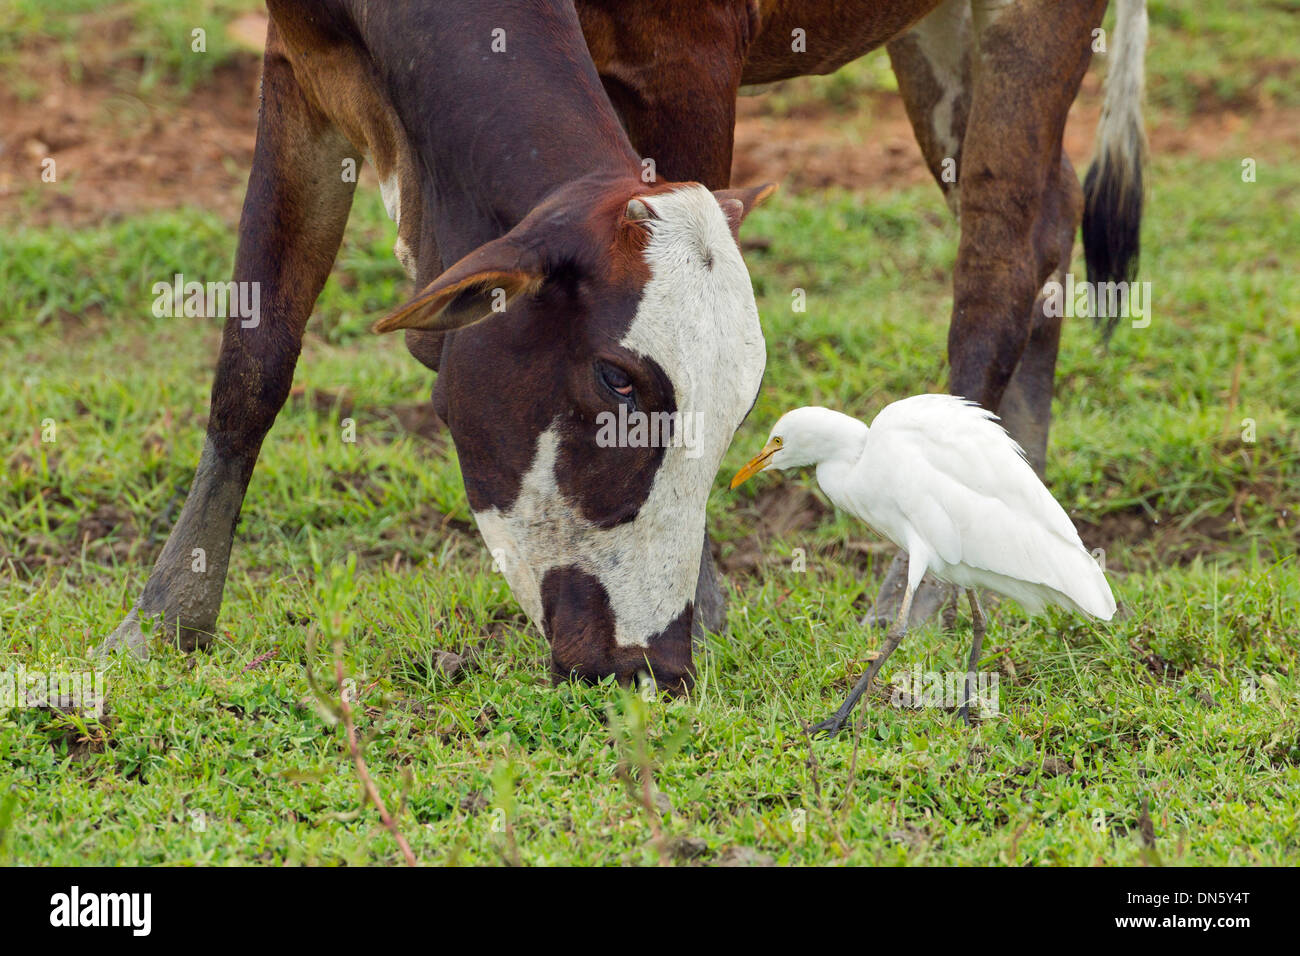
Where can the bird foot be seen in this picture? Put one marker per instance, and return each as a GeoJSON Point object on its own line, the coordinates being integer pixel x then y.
{"type": "Point", "coordinates": [829, 727]}
{"type": "Point", "coordinates": [971, 718]}
{"type": "Point", "coordinates": [931, 597]}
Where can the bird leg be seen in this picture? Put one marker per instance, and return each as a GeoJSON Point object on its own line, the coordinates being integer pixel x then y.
{"type": "Point", "coordinates": [833, 724]}
{"type": "Point", "coordinates": [929, 599]}
{"type": "Point", "coordinates": [977, 626]}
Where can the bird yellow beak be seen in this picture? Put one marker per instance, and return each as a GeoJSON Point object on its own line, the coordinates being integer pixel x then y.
{"type": "Point", "coordinates": [756, 464]}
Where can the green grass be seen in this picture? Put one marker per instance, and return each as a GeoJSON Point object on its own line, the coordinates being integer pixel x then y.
{"type": "Point", "coordinates": [1188, 701]}
{"type": "Point", "coordinates": [1236, 54]}
{"type": "Point", "coordinates": [1142, 432]}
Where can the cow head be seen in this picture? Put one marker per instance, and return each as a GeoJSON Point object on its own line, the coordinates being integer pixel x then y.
{"type": "Point", "coordinates": [597, 361]}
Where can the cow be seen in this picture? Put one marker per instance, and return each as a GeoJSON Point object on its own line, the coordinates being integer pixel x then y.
{"type": "Point", "coordinates": [557, 286]}
{"type": "Point", "coordinates": [987, 85]}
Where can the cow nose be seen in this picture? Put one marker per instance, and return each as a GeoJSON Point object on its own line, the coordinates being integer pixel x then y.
{"type": "Point", "coordinates": [580, 625]}
{"type": "Point", "coordinates": [638, 668]}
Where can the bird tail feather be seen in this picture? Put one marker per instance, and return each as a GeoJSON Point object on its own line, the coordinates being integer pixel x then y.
{"type": "Point", "coordinates": [1084, 588]}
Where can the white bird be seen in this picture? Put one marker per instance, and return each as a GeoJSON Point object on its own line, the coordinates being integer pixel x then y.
{"type": "Point", "coordinates": [940, 478]}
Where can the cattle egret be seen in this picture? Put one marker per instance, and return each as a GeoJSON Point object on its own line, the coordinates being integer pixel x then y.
{"type": "Point", "coordinates": [941, 479]}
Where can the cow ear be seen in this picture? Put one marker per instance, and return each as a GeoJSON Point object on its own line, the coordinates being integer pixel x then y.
{"type": "Point", "coordinates": [738, 203]}
{"type": "Point", "coordinates": [485, 282]}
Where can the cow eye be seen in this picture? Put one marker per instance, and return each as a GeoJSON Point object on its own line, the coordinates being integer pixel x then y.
{"type": "Point", "coordinates": [616, 380]}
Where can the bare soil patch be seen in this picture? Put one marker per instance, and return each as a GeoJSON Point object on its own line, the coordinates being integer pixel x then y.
{"type": "Point", "coordinates": [116, 154]}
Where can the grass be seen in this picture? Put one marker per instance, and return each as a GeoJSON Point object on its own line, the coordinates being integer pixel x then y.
{"type": "Point", "coordinates": [1186, 703]}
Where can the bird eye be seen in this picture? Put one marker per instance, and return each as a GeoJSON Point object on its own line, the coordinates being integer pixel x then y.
{"type": "Point", "coordinates": [616, 380]}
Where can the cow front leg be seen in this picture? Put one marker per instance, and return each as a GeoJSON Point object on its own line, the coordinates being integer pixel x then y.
{"type": "Point", "coordinates": [293, 218]}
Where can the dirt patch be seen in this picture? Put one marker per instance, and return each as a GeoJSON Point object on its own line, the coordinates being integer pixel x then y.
{"type": "Point", "coordinates": [1177, 541]}
{"type": "Point", "coordinates": [419, 419]}
{"type": "Point", "coordinates": [873, 147]}
{"type": "Point", "coordinates": [76, 727]}
{"type": "Point", "coordinates": [116, 154]}
{"type": "Point", "coordinates": [744, 856]}
{"type": "Point", "coordinates": [778, 512]}
{"type": "Point", "coordinates": [1162, 670]}
{"type": "Point", "coordinates": [1170, 541]}
{"type": "Point", "coordinates": [109, 534]}
{"type": "Point", "coordinates": [105, 533]}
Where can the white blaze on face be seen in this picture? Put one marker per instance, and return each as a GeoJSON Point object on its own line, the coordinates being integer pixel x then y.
{"type": "Point", "coordinates": [696, 319]}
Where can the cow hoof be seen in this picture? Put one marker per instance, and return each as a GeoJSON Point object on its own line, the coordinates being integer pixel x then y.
{"type": "Point", "coordinates": [129, 637]}
{"type": "Point", "coordinates": [931, 597]}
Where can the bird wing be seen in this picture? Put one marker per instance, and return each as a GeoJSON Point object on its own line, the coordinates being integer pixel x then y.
{"type": "Point", "coordinates": [943, 470]}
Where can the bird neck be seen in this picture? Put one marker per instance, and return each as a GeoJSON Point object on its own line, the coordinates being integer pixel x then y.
{"type": "Point", "coordinates": [841, 441]}
{"type": "Point", "coordinates": [833, 479]}
{"type": "Point", "coordinates": [844, 443]}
